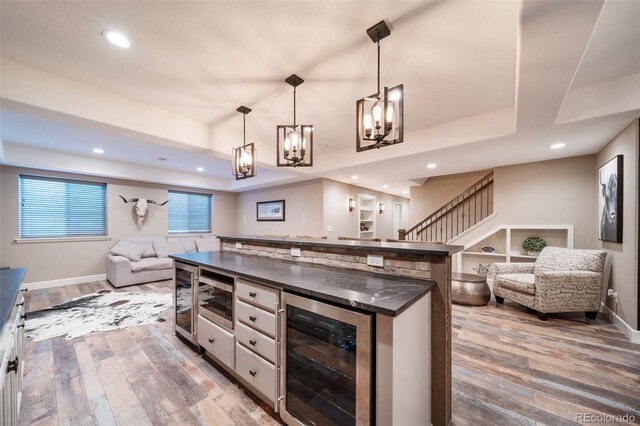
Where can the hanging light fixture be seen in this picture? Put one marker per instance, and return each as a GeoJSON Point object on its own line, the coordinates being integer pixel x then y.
{"type": "Point", "coordinates": [380, 116]}
{"type": "Point", "coordinates": [244, 157]}
{"type": "Point", "coordinates": [295, 142]}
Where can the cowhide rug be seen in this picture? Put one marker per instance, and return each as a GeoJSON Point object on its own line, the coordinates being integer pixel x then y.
{"type": "Point", "coordinates": [102, 311]}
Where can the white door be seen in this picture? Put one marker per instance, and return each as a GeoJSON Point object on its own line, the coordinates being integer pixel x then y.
{"type": "Point", "coordinates": [397, 219]}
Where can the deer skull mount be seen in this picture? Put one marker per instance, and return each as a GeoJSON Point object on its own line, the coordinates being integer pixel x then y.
{"type": "Point", "coordinates": [141, 207]}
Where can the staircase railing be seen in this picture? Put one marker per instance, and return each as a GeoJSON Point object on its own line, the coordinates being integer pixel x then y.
{"type": "Point", "coordinates": [456, 216]}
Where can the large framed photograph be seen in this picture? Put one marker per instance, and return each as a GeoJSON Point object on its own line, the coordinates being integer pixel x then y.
{"type": "Point", "coordinates": [610, 200]}
{"type": "Point", "coordinates": [270, 211]}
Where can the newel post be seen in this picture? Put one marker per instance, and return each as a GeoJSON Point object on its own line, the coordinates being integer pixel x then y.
{"type": "Point", "coordinates": [402, 234]}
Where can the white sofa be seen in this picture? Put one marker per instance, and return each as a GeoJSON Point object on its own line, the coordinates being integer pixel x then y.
{"type": "Point", "coordinates": [141, 260]}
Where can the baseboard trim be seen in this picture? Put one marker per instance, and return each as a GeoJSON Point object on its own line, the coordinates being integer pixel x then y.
{"type": "Point", "coordinates": [65, 281]}
{"type": "Point", "coordinates": [626, 329]}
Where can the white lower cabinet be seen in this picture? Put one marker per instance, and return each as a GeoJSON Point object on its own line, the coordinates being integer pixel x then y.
{"type": "Point", "coordinates": [216, 341]}
{"type": "Point", "coordinates": [12, 366]}
{"type": "Point", "coordinates": [257, 371]}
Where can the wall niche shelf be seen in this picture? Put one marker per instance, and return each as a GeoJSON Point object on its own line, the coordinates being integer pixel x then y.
{"type": "Point", "coordinates": [366, 216]}
{"type": "Point", "coordinates": [507, 241]}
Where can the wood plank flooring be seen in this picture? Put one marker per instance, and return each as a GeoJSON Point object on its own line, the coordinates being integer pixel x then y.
{"type": "Point", "coordinates": [509, 368]}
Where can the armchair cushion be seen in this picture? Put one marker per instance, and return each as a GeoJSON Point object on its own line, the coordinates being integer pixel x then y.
{"type": "Point", "coordinates": [524, 283]}
{"type": "Point", "coordinates": [563, 259]}
{"type": "Point", "coordinates": [511, 268]}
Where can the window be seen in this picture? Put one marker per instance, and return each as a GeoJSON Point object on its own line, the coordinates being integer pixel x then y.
{"type": "Point", "coordinates": [52, 208]}
{"type": "Point", "coordinates": [189, 213]}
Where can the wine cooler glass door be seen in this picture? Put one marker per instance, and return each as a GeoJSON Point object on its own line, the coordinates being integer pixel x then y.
{"type": "Point", "coordinates": [327, 364]}
{"type": "Point", "coordinates": [184, 286]}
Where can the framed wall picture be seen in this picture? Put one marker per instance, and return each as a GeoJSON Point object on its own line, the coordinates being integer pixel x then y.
{"type": "Point", "coordinates": [270, 211]}
{"type": "Point", "coordinates": [610, 200]}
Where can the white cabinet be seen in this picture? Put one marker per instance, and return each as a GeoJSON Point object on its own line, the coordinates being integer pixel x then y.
{"type": "Point", "coordinates": [216, 341]}
{"type": "Point", "coordinates": [367, 210]}
{"type": "Point", "coordinates": [12, 365]}
{"type": "Point", "coordinates": [256, 331]}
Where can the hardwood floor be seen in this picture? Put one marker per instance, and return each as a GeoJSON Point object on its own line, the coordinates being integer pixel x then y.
{"type": "Point", "coordinates": [509, 368]}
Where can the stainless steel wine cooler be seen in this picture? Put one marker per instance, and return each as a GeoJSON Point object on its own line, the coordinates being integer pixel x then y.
{"type": "Point", "coordinates": [326, 364]}
{"type": "Point", "coordinates": [184, 301]}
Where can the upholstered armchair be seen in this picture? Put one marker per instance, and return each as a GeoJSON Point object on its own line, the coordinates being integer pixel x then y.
{"type": "Point", "coordinates": [560, 280]}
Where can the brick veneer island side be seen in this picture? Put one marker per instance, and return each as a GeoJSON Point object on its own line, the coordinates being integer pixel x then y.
{"type": "Point", "coordinates": [421, 261]}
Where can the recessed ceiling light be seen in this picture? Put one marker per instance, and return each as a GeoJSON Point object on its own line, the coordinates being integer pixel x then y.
{"type": "Point", "coordinates": [98, 150]}
{"type": "Point", "coordinates": [354, 177]}
{"type": "Point", "coordinates": [323, 146]}
{"type": "Point", "coordinates": [200, 169]}
{"type": "Point", "coordinates": [116, 38]}
{"type": "Point", "coordinates": [558, 145]}
{"type": "Point", "coordinates": [405, 192]}
{"type": "Point", "coordinates": [385, 186]}
{"type": "Point", "coordinates": [432, 166]}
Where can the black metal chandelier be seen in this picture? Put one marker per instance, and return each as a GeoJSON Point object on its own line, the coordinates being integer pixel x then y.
{"type": "Point", "coordinates": [380, 116]}
{"type": "Point", "coordinates": [294, 142]}
{"type": "Point", "coordinates": [244, 157]}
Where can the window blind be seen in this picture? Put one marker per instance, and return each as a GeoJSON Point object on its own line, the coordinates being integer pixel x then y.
{"type": "Point", "coordinates": [189, 213]}
{"type": "Point", "coordinates": [51, 207]}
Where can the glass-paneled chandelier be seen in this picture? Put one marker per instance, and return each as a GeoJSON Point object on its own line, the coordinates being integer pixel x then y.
{"type": "Point", "coordinates": [294, 142]}
{"type": "Point", "coordinates": [379, 116]}
{"type": "Point", "coordinates": [244, 157]}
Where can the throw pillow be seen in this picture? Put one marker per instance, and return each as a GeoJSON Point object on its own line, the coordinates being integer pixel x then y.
{"type": "Point", "coordinates": [127, 249]}
{"type": "Point", "coordinates": [165, 248]}
{"type": "Point", "coordinates": [208, 244]}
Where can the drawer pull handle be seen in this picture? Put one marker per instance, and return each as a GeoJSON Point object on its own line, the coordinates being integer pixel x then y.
{"type": "Point", "coordinates": [252, 318]}
{"type": "Point", "coordinates": [20, 304]}
{"type": "Point", "coordinates": [252, 342]}
{"type": "Point", "coordinates": [23, 316]}
{"type": "Point", "coordinates": [253, 373]}
{"type": "Point", "coordinates": [12, 366]}
{"type": "Point", "coordinates": [212, 340]}
{"type": "Point", "coordinates": [252, 294]}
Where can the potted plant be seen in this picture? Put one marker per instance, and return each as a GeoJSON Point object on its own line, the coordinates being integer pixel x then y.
{"type": "Point", "coordinates": [533, 245]}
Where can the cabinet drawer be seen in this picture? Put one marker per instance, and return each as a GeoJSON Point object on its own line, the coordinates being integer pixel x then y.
{"type": "Point", "coordinates": [217, 341]}
{"type": "Point", "coordinates": [257, 295]}
{"type": "Point", "coordinates": [256, 318]}
{"type": "Point", "coordinates": [256, 371]}
{"type": "Point", "coordinates": [256, 341]}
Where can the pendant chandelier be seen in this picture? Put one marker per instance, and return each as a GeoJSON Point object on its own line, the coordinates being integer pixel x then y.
{"type": "Point", "coordinates": [380, 116]}
{"type": "Point", "coordinates": [244, 157]}
{"type": "Point", "coordinates": [294, 142]}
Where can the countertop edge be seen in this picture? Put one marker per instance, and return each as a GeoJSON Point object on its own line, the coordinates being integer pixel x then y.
{"type": "Point", "coordinates": [409, 247]}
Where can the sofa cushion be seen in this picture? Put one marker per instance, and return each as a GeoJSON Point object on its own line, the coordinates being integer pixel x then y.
{"type": "Point", "coordinates": [131, 251]}
{"type": "Point", "coordinates": [165, 248]}
{"type": "Point", "coordinates": [524, 283]}
{"type": "Point", "coordinates": [151, 264]}
{"type": "Point", "coordinates": [145, 242]}
{"type": "Point", "coordinates": [208, 244]}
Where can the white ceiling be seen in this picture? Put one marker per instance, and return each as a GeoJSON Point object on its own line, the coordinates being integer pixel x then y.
{"type": "Point", "coordinates": [484, 81]}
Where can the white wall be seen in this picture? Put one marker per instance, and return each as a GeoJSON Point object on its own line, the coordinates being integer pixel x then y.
{"type": "Point", "coordinates": [303, 210]}
{"type": "Point", "coordinates": [624, 256]}
{"type": "Point", "coordinates": [345, 223]}
{"type": "Point", "coordinates": [58, 260]}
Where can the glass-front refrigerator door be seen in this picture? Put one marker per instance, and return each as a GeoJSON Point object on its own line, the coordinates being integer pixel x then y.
{"type": "Point", "coordinates": [326, 357]}
{"type": "Point", "coordinates": [185, 280]}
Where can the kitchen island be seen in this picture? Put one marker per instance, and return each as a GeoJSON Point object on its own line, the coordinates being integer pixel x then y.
{"type": "Point", "coordinates": [297, 309]}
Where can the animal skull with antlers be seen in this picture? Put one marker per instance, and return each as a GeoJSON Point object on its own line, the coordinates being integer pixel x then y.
{"type": "Point", "coordinates": [142, 205]}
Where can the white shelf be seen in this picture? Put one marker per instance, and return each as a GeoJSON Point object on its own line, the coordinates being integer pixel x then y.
{"type": "Point", "coordinates": [365, 210]}
{"type": "Point", "coordinates": [366, 215]}
{"type": "Point", "coordinates": [507, 240]}
{"type": "Point", "coordinates": [481, 253]}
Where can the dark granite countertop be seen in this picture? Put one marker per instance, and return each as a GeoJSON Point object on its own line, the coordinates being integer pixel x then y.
{"type": "Point", "coordinates": [413, 248]}
{"type": "Point", "coordinates": [10, 282]}
{"type": "Point", "coordinates": [385, 294]}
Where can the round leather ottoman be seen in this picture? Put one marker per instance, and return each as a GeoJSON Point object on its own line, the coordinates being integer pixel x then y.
{"type": "Point", "coordinates": [469, 289]}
